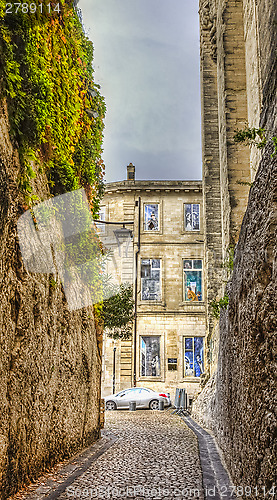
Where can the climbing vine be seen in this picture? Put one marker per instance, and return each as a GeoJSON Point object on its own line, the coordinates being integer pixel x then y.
{"type": "Point", "coordinates": [217, 305]}
{"type": "Point", "coordinates": [258, 137]}
{"type": "Point", "coordinates": [55, 108]}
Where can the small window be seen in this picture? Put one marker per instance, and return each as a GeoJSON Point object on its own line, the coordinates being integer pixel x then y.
{"type": "Point", "coordinates": [192, 217]}
{"type": "Point", "coordinates": [150, 279]}
{"type": "Point", "coordinates": [192, 269]}
{"type": "Point", "coordinates": [151, 217]}
{"type": "Point", "coordinates": [193, 357]}
{"type": "Point", "coordinates": [150, 360]}
{"type": "Point", "coordinates": [101, 227]}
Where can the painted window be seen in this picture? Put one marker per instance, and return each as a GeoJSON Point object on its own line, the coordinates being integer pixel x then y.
{"type": "Point", "coordinates": [151, 217]}
{"type": "Point", "coordinates": [101, 227]}
{"type": "Point", "coordinates": [192, 280]}
{"type": "Point", "coordinates": [193, 360]}
{"type": "Point", "coordinates": [192, 217]}
{"type": "Point", "coordinates": [151, 279]}
{"type": "Point", "coordinates": [150, 359]}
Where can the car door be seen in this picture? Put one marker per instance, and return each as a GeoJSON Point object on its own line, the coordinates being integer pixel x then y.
{"type": "Point", "coordinates": [128, 396]}
{"type": "Point", "coordinates": [134, 395]}
{"type": "Point", "coordinates": [123, 399]}
{"type": "Point", "coordinates": [145, 397]}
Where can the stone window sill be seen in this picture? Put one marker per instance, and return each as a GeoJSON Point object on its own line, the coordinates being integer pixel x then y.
{"type": "Point", "coordinates": [151, 303]}
{"type": "Point", "coordinates": [191, 379]}
{"type": "Point", "coordinates": [151, 379]}
{"type": "Point", "coordinates": [192, 303]}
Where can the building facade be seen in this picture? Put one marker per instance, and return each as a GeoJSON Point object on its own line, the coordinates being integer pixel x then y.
{"type": "Point", "coordinates": [164, 262]}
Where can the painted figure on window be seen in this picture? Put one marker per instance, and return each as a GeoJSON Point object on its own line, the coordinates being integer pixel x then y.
{"type": "Point", "coordinates": [187, 264]}
{"type": "Point", "coordinates": [188, 369]}
{"type": "Point", "coordinates": [188, 221]}
{"type": "Point", "coordinates": [145, 294]}
{"type": "Point", "coordinates": [198, 366]}
{"type": "Point", "coordinates": [150, 356]}
{"type": "Point", "coordinates": [192, 217]}
{"type": "Point", "coordinates": [155, 366]}
{"type": "Point", "coordinates": [199, 295]}
{"type": "Point", "coordinates": [152, 223]}
{"type": "Point", "coordinates": [151, 217]}
{"type": "Point", "coordinates": [191, 295]}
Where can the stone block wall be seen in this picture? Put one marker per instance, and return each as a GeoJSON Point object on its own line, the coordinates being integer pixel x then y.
{"type": "Point", "coordinates": [50, 363]}
{"type": "Point", "coordinates": [211, 165]}
{"type": "Point", "coordinates": [246, 401]}
{"type": "Point", "coordinates": [239, 402]}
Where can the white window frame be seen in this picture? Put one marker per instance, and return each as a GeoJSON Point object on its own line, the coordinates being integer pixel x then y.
{"type": "Point", "coordinates": [101, 228]}
{"type": "Point", "coordinates": [185, 228]}
{"type": "Point", "coordinates": [145, 301]}
{"type": "Point", "coordinates": [152, 231]}
{"type": "Point", "coordinates": [192, 269]}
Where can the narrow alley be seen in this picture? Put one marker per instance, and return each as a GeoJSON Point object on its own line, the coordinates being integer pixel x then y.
{"type": "Point", "coordinates": [142, 454]}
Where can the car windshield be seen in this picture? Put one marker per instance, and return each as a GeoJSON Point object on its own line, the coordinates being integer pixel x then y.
{"type": "Point", "coordinates": [133, 389]}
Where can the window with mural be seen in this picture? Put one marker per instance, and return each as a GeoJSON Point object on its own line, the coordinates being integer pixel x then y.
{"type": "Point", "coordinates": [150, 358]}
{"type": "Point", "coordinates": [151, 279]}
{"type": "Point", "coordinates": [193, 356]}
{"type": "Point", "coordinates": [192, 217]}
{"type": "Point", "coordinates": [192, 280]}
{"type": "Point", "coordinates": [151, 217]}
{"type": "Point", "coordinates": [101, 227]}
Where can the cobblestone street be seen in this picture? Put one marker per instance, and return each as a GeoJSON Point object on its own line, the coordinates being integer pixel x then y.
{"type": "Point", "coordinates": [141, 455]}
{"type": "Point", "coordinates": [155, 456]}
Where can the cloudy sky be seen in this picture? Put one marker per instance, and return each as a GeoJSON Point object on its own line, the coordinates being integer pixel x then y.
{"type": "Point", "coordinates": [146, 59]}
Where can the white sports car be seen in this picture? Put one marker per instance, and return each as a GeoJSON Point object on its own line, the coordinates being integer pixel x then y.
{"type": "Point", "coordinates": [144, 398]}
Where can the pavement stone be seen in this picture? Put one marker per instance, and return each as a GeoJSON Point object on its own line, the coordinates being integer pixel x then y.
{"type": "Point", "coordinates": [155, 456]}
{"type": "Point", "coordinates": [142, 455]}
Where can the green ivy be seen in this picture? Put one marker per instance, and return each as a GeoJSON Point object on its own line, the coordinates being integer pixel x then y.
{"type": "Point", "coordinates": [255, 136]}
{"type": "Point", "coordinates": [47, 78]}
{"type": "Point", "coordinates": [217, 305]}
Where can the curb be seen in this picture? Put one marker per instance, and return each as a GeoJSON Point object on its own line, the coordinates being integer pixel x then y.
{"type": "Point", "coordinates": [216, 481]}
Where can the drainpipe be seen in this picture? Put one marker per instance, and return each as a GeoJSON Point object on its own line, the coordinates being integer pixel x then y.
{"type": "Point", "coordinates": [114, 351]}
{"type": "Point", "coordinates": [136, 296]}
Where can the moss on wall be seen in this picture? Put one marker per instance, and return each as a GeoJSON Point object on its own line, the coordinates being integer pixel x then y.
{"type": "Point", "coordinates": [50, 357]}
{"type": "Point", "coordinates": [55, 109]}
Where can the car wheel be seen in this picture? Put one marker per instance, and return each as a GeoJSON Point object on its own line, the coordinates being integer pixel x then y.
{"type": "Point", "coordinates": [154, 404]}
{"type": "Point", "coordinates": [110, 405]}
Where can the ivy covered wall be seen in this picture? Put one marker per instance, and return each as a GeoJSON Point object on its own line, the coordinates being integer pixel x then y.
{"type": "Point", "coordinates": [51, 124]}
{"type": "Point", "coordinates": [55, 108]}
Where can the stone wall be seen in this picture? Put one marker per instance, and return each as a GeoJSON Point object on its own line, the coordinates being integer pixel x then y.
{"type": "Point", "coordinates": [240, 406]}
{"type": "Point", "coordinates": [246, 390]}
{"type": "Point", "coordinates": [49, 361]}
{"type": "Point", "coordinates": [211, 166]}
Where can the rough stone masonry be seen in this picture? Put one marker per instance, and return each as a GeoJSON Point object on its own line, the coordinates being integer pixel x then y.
{"type": "Point", "coordinates": [239, 76]}
{"type": "Point", "coordinates": [50, 363]}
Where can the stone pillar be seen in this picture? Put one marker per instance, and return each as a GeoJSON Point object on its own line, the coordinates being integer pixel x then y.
{"type": "Point", "coordinates": [211, 164]}
{"type": "Point", "coordinates": [235, 175]}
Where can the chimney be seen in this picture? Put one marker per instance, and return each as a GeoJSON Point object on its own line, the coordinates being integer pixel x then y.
{"type": "Point", "coordinates": [131, 172]}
